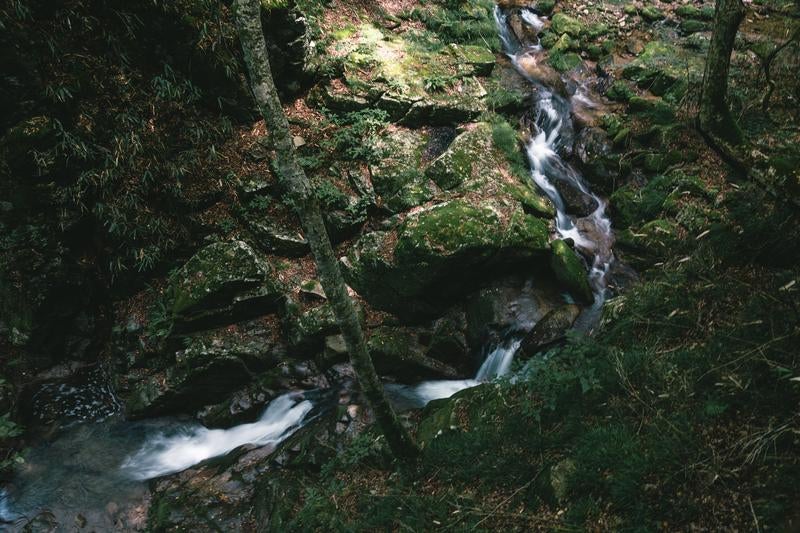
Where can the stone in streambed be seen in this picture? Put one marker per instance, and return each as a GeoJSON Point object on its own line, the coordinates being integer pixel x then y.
{"type": "Point", "coordinates": [399, 352]}
{"type": "Point", "coordinates": [577, 202]}
{"type": "Point", "coordinates": [551, 328]}
{"type": "Point", "coordinates": [570, 271]}
{"type": "Point", "coordinates": [210, 367]}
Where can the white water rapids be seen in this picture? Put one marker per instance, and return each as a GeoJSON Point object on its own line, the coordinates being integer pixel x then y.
{"type": "Point", "coordinates": [163, 454]}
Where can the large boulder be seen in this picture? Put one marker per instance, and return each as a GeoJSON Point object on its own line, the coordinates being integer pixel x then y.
{"type": "Point", "coordinates": [551, 328]}
{"type": "Point", "coordinates": [400, 352]}
{"type": "Point", "coordinates": [397, 175]}
{"type": "Point", "coordinates": [212, 366]}
{"type": "Point", "coordinates": [435, 251]}
{"type": "Point", "coordinates": [664, 69]}
{"type": "Point", "coordinates": [413, 84]}
{"type": "Point", "coordinates": [221, 283]}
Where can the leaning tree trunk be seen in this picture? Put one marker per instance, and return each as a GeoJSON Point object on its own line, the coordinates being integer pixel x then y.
{"type": "Point", "coordinates": [715, 115]}
{"type": "Point", "coordinates": [293, 178]}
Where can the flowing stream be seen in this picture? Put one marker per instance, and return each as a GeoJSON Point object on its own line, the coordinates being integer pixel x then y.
{"type": "Point", "coordinates": [94, 463]}
{"type": "Point", "coordinates": [591, 235]}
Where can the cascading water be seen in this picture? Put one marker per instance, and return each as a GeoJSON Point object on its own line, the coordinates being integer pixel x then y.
{"type": "Point", "coordinates": [592, 234]}
{"type": "Point", "coordinates": [166, 454]}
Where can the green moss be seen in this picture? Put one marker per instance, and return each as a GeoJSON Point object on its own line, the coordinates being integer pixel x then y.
{"type": "Point", "coordinates": [692, 26]}
{"type": "Point", "coordinates": [545, 7]}
{"type": "Point", "coordinates": [596, 30]}
{"type": "Point", "coordinates": [651, 14]}
{"type": "Point", "coordinates": [397, 171]}
{"type": "Point", "coordinates": [656, 110]}
{"type": "Point", "coordinates": [688, 11]}
{"type": "Point", "coordinates": [620, 91]}
{"type": "Point", "coordinates": [455, 166]}
{"type": "Point", "coordinates": [663, 67]}
{"type": "Point", "coordinates": [564, 44]}
{"type": "Point", "coordinates": [214, 274]}
{"type": "Point", "coordinates": [564, 24]}
{"type": "Point", "coordinates": [564, 62]}
{"type": "Point", "coordinates": [570, 271]}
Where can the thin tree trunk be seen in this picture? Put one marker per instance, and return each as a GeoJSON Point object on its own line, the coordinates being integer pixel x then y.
{"type": "Point", "coordinates": [294, 179]}
{"type": "Point", "coordinates": [715, 115]}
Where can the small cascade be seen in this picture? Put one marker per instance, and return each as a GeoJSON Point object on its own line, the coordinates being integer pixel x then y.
{"type": "Point", "coordinates": [591, 234]}
{"type": "Point", "coordinates": [166, 454]}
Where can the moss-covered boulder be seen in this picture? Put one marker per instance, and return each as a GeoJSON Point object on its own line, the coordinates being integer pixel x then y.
{"type": "Point", "coordinates": [211, 366]}
{"type": "Point", "coordinates": [564, 61]}
{"type": "Point", "coordinates": [397, 175]}
{"type": "Point", "coordinates": [664, 68]}
{"type": "Point", "coordinates": [435, 251]}
{"type": "Point", "coordinates": [399, 352]}
{"type": "Point", "coordinates": [564, 24]}
{"type": "Point", "coordinates": [461, 412]}
{"type": "Point", "coordinates": [435, 85]}
{"type": "Point", "coordinates": [306, 329]}
{"type": "Point", "coordinates": [222, 282]}
{"type": "Point", "coordinates": [551, 328]}
{"type": "Point", "coordinates": [570, 271]}
{"type": "Point", "coordinates": [651, 14]}
{"type": "Point", "coordinates": [465, 157]}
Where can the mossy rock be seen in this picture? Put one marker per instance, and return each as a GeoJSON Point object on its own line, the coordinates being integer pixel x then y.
{"type": "Point", "coordinates": [399, 352]}
{"type": "Point", "coordinates": [469, 156]}
{"type": "Point", "coordinates": [651, 14]}
{"type": "Point", "coordinates": [570, 271]}
{"type": "Point", "coordinates": [397, 175]}
{"type": "Point", "coordinates": [620, 91]}
{"type": "Point", "coordinates": [565, 61]}
{"type": "Point", "coordinates": [565, 44]}
{"type": "Point", "coordinates": [461, 412]}
{"type": "Point", "coordinates": [692, 26]}
{"type": "Point", "coordinates": [211, 366]}
{"type": "Point", "coordinates": [467, 101]}
{"type": "Point", "coordinates": [564, 24]}
{"type": "Point", "coordinates": [508, 92]}
{"type": "Point", "coordinates": [436, 85]}
{"type": "Point", "coordinates": [597, 30]}
{"type": "Point", "coordinates": [545, 7]}
{"type": "Point", "coordinates": [551, 328]}
{"type": "Point", "coordinates": [688, 11]}
{"type": "Point", "coordinates": [414, 269]}
{"type": "Point", "coordinates": [306, 330]}
{"type": "Point", "coordinates": [654, 109]}
{"type": "Point", "coordinates": [222, 281]}
{"type": "Point", "coordinates": [663, 67]}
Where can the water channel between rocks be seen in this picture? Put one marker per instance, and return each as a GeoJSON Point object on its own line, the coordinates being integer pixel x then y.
{"type": "Point", "coordinates": [100, 461]}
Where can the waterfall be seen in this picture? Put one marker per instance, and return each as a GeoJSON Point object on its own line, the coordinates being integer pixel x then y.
{"type": "Point", "coordinates": [552, 113]}
{"type": "Point", "coordinates": [592, 234]}
{"type": "Point", "coordinates": [163, 454]}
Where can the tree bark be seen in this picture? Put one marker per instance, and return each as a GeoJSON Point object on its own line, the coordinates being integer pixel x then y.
{"type": "Point", "coordinates": [301, 195]}
{"type": "Point", "coordinates": [715, 115]}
